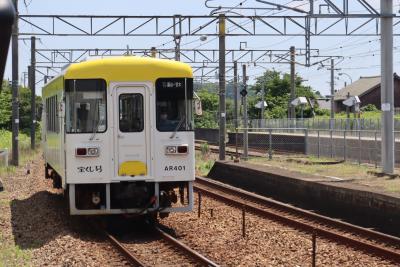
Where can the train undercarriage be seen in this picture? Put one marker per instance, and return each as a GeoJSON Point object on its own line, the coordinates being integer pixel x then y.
{"type": "Point", "coordinates": [126, 197]}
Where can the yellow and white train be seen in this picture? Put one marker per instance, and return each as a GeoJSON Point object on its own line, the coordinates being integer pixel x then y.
{"type": "Point", "coordinates": [118, 135]}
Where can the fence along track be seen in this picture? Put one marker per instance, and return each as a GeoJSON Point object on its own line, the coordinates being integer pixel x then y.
{"type": "Point", "coordinates": [187, 251]}
{"type": "Point", "coordinates": [322, 226]}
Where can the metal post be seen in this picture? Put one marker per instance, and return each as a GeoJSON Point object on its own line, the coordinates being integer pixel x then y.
{"type": "Point", "coordinates": [347, 111]}
{"type": "Point", "coordinates": [387, 91]}
{"type": "Point", "coordinates": [376, 150]}
{"type": "Point", "coordinates": [245, 123]}
{"type": "Point", "coordinates": [153, 51]}
{"type": "Point", "coordinates": [32, 86]}
{"type": "Point", "coordinates": [177, 40]}
{"type": "Point", "coordinates": [291, 109]}
{"type": "Point", "coordinates": [359, 147]}
{"type": "Point", "coordinates": [243, 222]}
{"type": "Point", "coordinates": [302, 114]}
{"type": "Point", "coordinates": [15, 93]}
{"type": "Point", "coordinates": [199, 205]}
{"type": "Point", "coordinates": [305, 141]}
{"type": "Point", "coordinates": [262, 104]}
{"type": "Point", "coordinates": [177, 36]}
{"type": "Point", "coordinates": [332, 94]}
{"type": "Point", "coordinates": [236, 116]}
{"type": "Point", "coordinates": [331, 144]}
{"type": "Point", "coordinates": [222, 107]}
{"type": "Point", "coordinates": [314, 249]}
{"type": "Point", "coordinates": [319, 144]}
{"type": "Point", "coordinates": [270, 144]}
{"type": "Point", "coordinates": [344, 146]}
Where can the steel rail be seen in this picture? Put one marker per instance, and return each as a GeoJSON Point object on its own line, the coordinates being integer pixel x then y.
{"type": "Point", "coordinates": [381, 251]}
{"type": "Point", "coordinates": [188, 251]}
{"type": "Point", "coordinates": [121, 248]}
{"type": "Point", "coordinates": [389, 239]}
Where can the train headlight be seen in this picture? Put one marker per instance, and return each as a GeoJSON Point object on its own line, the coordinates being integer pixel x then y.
{"type": "Point", "coordinates": [176, 150]}
{"type": "Point", "coordinates": [170, 150]}
{"type": "Point", "coordinates": [87, 152]}
{"type": "Point", "coordinates": [93, 151]}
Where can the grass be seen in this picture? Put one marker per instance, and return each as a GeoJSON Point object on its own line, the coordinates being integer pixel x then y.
{"type": "Point", "coordinates": [25, 152]}
{"type": "Point", "coordinates": [204, 160]}
{"type": "Point", "coordinates": [6, 140]}
{"type": "Point", "coordinates": [363, 115]}
{"type": "Point", "coordinates": [13, 255]}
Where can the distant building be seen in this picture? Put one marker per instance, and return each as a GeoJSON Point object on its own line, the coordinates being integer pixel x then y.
{"type": "Point", "coordinates": [324, 103]}
{"type": "Point", "coordinates": [368, 89]}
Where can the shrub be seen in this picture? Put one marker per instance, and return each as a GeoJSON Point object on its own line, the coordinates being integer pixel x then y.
{"type": "Point", "coordinates": [369, 107]}
{"type": "Point", "coordinates": [205, 149]}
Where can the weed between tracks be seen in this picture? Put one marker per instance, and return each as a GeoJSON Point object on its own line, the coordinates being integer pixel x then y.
{"type": "Point", "coordinates": [204, 160]}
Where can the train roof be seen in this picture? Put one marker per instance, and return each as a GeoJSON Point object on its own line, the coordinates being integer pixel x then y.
{"type": "Point", "coordinates": [128, 68]}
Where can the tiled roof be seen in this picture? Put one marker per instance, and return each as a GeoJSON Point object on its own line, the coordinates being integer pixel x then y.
{"type": "Point", "coordinates": [360, 87]}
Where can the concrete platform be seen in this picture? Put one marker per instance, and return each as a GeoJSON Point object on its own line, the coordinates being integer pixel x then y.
{"type": "Point", "coordinates": [341, 199]}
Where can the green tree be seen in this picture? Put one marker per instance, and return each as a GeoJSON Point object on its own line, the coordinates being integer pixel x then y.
{"type": "Point", "coordinates": [5, 107]}
{"type": "Point", "coordinates": [277, 94]}
{"type": "Point", "coordinates": [24, 108]}
{"type": "Point", "coordinates": [209, 103]}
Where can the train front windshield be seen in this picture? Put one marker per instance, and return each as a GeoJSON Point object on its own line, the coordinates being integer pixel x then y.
{"type": "Point", "coordinates": [174, 97]}
{"type": "Point", "coordinates": [85, 106]}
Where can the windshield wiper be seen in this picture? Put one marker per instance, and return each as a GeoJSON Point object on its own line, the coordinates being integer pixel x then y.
{"type": "Point", "coordinates": [96, 122]}
{"type": "Point", "coordinates": [95, 130]}
{"type": "Point", "coordinates": [177, 127]}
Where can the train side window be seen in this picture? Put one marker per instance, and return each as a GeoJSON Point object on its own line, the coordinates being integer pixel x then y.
{"type": "Point", "coordinates": [47, 114]}
{"type": "Point", "coordinates": [131, 115]}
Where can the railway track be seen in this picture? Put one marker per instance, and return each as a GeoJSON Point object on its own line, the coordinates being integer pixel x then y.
{"type": "Point", "coordinates": [372, 242]}
{"type": "Point", "coordinates": [164, 244]}
{"type": "Point", "coordinates": [254, 152]}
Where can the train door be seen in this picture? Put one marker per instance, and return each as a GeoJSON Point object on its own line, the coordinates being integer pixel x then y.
{"type": "Point", "coordinates": [130, 131]}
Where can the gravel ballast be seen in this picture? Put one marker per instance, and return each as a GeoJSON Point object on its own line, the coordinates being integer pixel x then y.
{"type": "Point", "coordinates": [266, 243]}
{"type": "Point", "coordinates": [34, 223]}
{"type": "Point", "coordinates": [36, 230]}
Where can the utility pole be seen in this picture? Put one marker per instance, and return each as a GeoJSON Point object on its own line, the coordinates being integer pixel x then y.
{"type": "Point", "coordinates": [222, 107]}
{"type": "Point", "coordinates": [32, 86]}
{"type": "Point", "coordinates": [292, 111]}
{"type": "Point", "coordinates": [387, 89]}
{"type": "Point", "coordinates": [177, 40]}
{"type": "Point", "coordinates": [332, 94]}
{"type": "Point", "coordinates": [153, 51]}
{"type": "Point", "coordinates": [177, 36]}
{"type": "Point", "coordinates": [15, 101]}
{"type": "Point", "coordinates": [262, 102]}
{"type": "Point", "coordinates": [245, 123]}
{"type": "Point", "coordinates": [236, 117]}
{"type": "Point", "coordinates": [347, 107]}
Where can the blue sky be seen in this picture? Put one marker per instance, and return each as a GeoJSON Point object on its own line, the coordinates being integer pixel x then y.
{"type": "Point", "coordinates": [362, 54]}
